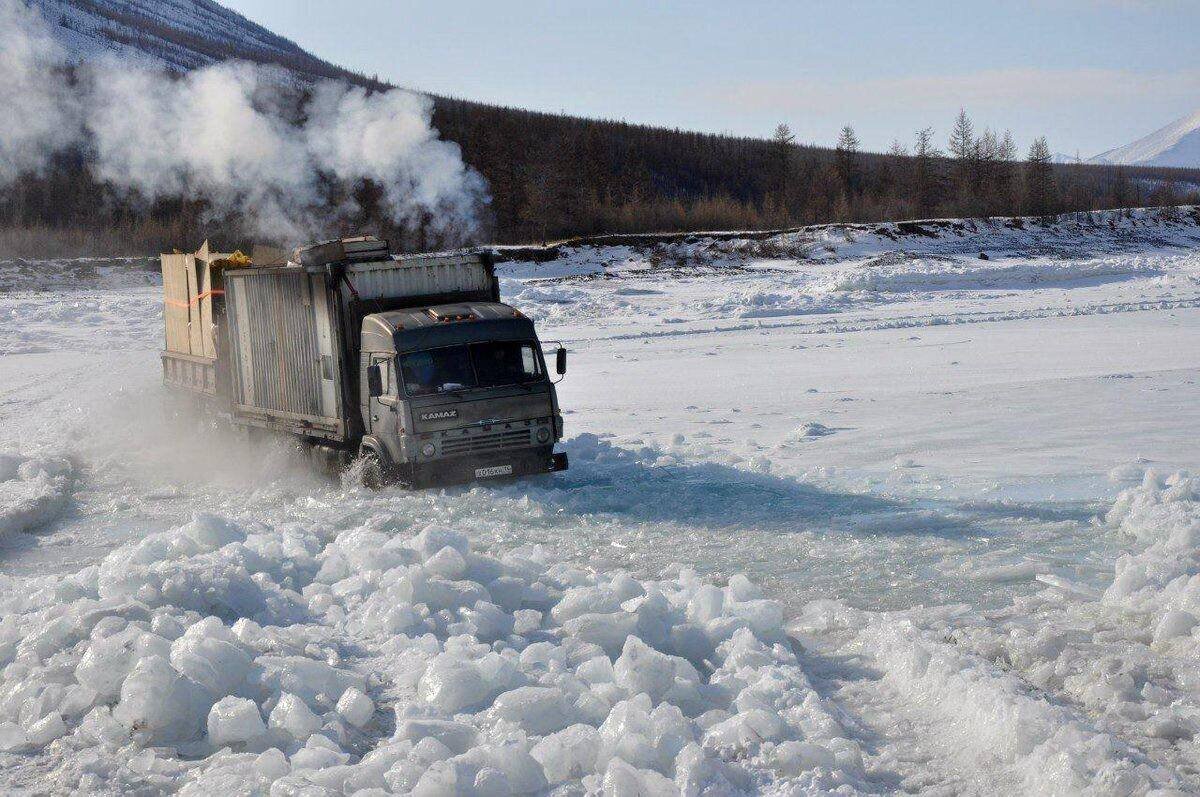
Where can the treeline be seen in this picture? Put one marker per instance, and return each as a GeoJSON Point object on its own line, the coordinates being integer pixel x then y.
{"type": "Point", "coordinates": [554, 176]}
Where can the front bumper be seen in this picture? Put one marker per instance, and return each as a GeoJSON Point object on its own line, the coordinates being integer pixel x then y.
{"type": "Point", "coordinates": [459, 470]}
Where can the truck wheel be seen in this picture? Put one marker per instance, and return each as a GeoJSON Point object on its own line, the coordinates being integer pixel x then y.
{"type": "Point", "coordinates": [372, 471]}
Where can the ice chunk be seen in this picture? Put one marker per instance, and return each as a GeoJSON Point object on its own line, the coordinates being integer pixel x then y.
{"type": "Point", "coordinates": [210, 532]}
{"type": "Point", "coordinates": [46, 730]}
{"type": "Point", "coordinates": [743, 589]}
{"type": "Point", "coordinates": [292, 716]}
{"type": "Point", "coordinates": [210, 655]}
{"type": "Point", "coordinates": [596, 670]}
{"type": "Point", "coordinates": [697, 772]}
{"type": "Point", "coordinates": [433, 539]}
{"type": "Point", "coordinates": [161, 703]}
{"type": "Point", "coordinates": [33, 491]}
{"type": "Point", "coordinates": [355, 707]}
{"type": "Point", "coordinates": [609, 631]}
{"type": "Point", "coordinates": [234, 720]}
{"type": "Point", "coordinates": [12, 737]}
{"type": "Point", "coordinates": [744, 732]}
{"type": "Point", "coordinates": [792, 758]}
{"type": "Point", "coordinates": [318, 753]}
{"type": "Point", "coordinates": [569, 754]}
{"type": "Point", "coordinates": [621, 778]}
{"type": "Point", "coordinates": [1173, 624]}
{"type": "Point", "coordinates": [456, 737]}
{"type": "Point", "coordinates": [452, 684]}
{"type": "Point", "coordinates": [644, 737]}
{"type": "Point", "coordinates": [486, 622]}
{"type": "Point", "coordinates": [447, 563]}
{"type": "Point", "coordinates": [306, 677]}
{"type": "Point", "coordinates": [640, 668]}
{"type": "Point", "coordinates": [764, 616]}
{"type": "Point", "coordinates": [536, 709]}
{"type": "Point", "coordinates": [578, 601]}
{"type": "Point", "coordinates": [108, 661]}
{"type": "Point", "coordinates": [522, 773]}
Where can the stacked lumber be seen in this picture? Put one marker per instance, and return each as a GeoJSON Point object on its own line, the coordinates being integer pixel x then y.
{"type": "Point", "coordinates": [192, 296]}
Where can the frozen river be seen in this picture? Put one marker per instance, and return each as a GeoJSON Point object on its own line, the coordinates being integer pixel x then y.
{"type": "Point", "coordinates": [957, 479]}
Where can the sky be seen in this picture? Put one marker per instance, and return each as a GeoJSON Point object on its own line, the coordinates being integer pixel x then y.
{"type": "Point", "coordinates": [1088, 74]}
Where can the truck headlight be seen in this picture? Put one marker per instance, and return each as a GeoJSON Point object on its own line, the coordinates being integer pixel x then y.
{"type": "Point", "coordinates": [429, 449]}
{"type": "Point", "coordinates": [543, 435]}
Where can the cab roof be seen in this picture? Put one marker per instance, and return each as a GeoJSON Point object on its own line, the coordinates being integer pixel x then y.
{"type": "Point", "coordinates": [415, 328]}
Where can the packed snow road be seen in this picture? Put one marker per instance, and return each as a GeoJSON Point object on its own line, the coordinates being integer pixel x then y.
{"type": "Point", "coordinates": [850, 510]}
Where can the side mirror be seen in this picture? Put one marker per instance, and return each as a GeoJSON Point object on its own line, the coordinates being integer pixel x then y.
{"type": "Point", "coordinates": [560, 361]}
{"type": "Point", "coordinates": [374, 381]}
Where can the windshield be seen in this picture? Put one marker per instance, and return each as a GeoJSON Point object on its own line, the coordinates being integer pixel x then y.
{"type": "Point", "coordinates": [474, 365]}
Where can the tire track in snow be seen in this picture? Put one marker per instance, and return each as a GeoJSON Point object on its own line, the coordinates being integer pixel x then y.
{"type": "Point", "coordinates": [968, 714]}
{"type": "Point", "coordinates": [901, 746]}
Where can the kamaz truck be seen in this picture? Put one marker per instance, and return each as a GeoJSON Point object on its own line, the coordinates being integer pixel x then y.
{"type": "Point", "coordinates": [411, 364]}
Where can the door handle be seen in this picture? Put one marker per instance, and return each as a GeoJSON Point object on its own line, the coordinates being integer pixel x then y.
{"type": "Point", "coordinates": [374, 417]}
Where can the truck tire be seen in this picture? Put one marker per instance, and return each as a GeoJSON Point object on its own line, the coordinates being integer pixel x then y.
{"type": "Point", "coordinates": [374, 477]}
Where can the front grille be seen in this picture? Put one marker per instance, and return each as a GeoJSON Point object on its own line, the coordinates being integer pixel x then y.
{"type": "Point", "coordinates": [488, 441]}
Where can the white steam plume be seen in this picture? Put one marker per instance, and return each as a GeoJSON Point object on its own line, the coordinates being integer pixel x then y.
{"type": "Point", "coordinates": [38, 112]}
{"type": "Point", "coordinates": [219, 133]}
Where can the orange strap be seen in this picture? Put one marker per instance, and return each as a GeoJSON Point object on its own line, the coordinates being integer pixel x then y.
{"type": "Point", "coordinates": [185, 305]}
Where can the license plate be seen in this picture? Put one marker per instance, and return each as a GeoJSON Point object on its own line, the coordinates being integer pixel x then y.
{"type": "Point", "coordinates": [498, 470]}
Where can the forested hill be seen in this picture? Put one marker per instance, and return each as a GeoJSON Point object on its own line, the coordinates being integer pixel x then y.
{"type": "Point", "coordinates": [552, 176]}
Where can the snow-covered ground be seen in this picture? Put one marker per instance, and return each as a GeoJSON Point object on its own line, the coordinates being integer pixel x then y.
{"type": "Point", "coordinates": [850, 510]}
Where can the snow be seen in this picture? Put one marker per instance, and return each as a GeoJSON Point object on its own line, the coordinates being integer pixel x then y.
{"type": "Point", "coordinates": [850, 510]}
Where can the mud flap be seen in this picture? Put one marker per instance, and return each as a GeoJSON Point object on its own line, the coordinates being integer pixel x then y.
{"type": "Point", "coordinates": [560, 462]}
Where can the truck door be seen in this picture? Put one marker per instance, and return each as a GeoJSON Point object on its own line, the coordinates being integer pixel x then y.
{"type": "Point", "coordinates": [381, 409]}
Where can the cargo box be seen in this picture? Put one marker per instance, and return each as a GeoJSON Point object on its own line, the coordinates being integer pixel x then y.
{"type": "Point", "coordinates": [293, 331]}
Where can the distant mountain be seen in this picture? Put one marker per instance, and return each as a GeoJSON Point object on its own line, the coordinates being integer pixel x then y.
{"type": "Point", "coordinates": [179, 34]}
{"type": "Point", "coordinates": [1177, 144]}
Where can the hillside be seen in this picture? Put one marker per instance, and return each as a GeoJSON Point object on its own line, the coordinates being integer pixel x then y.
{"type": "Point", "coordinates": [1177, 145]}
{"type": "Point", "coordinates": [179, 34]}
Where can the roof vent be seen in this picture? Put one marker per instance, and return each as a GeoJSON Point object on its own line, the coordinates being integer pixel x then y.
{"type": "Point", "coordinates": [450, 313]}
{"type": "Point", "coordinates": [343, 250]}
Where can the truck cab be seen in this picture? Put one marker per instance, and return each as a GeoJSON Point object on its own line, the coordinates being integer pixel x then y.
{"type": "Point", "coordinates": [456, 392]}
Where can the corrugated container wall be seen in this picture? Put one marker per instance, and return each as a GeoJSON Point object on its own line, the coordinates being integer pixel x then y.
{"type": "Point", "coordinates": [422, 276]}
{"type": "Point", "coordinates": [284, 358]}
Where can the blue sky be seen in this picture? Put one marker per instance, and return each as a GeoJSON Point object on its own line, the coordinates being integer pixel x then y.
{"type": "Point", "coordinates": [1088, 74]}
